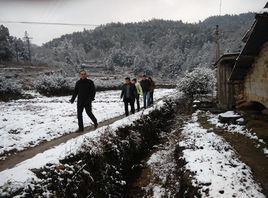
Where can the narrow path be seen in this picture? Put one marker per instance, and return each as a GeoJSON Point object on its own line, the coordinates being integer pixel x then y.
{"type": "Point", "coordinates": [21, 156]}
{"type": "Point", "coordinates": [14, 159]}
{"type": "Point", "coordinates": [248, 153]}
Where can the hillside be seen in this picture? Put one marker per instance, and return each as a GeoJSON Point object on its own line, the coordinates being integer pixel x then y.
{"type": "Point", "coordinates": [156, 46]}
{"type": "Point", "coordinates": [160, 47]}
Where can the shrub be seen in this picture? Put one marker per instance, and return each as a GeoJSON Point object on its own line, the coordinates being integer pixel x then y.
{"type": "Point", "coordinates": [54, 84]}
{"type": "Point", "coordinates": [199, 81]}
{"type": "Point", "coordinates": [10, 86]}
{"type": "Point", "coordinates": [109, 84]}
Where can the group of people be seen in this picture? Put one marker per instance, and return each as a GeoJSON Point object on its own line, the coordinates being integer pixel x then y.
{"type": "Point", "coordinates": [131, 92]}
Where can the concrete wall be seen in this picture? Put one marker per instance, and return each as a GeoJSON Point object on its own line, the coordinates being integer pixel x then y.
{"type": "Point", "coordinates": [256, 81]}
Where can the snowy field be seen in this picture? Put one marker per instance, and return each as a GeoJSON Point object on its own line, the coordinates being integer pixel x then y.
{"type": "Point", "coordinates": [26, 123]}
{"type": "Point", "coordinates": [21, 174]}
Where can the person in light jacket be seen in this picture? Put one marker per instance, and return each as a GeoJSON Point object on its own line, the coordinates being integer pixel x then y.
{"type": "Point", "coordinates": [139, 92]}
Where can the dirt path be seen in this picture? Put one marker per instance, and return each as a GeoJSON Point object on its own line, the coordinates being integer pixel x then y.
{"type": "Point", "coordinates": [14, 159]}
{"type": "Point", "coordinates": [21, 156]}
{"type": "Point", "coordinates": [246, 148]}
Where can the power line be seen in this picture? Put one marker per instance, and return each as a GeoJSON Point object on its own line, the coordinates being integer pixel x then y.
{"type": "Point", "coordinates": [220, 6]}
{"type": "Point", "coordinates": [49, 23]}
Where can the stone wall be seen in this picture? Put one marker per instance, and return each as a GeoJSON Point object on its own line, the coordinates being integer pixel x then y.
{"type": "Point", "coordinates": [256, 81]}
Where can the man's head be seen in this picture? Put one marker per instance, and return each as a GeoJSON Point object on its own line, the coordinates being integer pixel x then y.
{"type": "Point", "coordinates": [144, 77]}
{"type": "Point", "coordinates": [134, 81]}
{"type": "Point", "coordinates": [83, 74]}
{"type": "Point", "coordinates": [127, 80]}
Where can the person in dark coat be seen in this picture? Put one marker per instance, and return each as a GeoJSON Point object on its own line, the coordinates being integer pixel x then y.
{"type": "Point", "coordinates": [152, 88]}
{"type": "Point", "coordinates": [85, 90]}
{"type": "Point", "coordinates": [145, 84]}
{"type": "Point", "coordinates": [129, 94]}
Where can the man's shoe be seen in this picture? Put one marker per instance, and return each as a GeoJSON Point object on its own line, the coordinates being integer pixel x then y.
{"type": "Point", "coordinates": [95, 125]}
{"type": "Point", "coordinates": [80, 130]}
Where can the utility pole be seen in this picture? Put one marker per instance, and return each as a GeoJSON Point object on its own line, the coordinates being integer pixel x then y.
{"type": "Point", "coordinates": [27, 40]}
{"type": "Point", "coordinates": [217, 43]}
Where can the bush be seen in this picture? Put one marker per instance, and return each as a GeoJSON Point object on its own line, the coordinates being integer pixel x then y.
{"type": "Point", "coordinates": [199, 81]}
{"type": "Point", "coordinates": [53, 85]}
{"type": "Point", "coordinates": [10, 86]}
{"type": "Point", "coordinates": [109, 84]}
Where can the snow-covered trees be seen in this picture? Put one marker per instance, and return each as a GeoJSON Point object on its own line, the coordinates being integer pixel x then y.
{"type": "Point", "coordinates": [165, 48]}
{"type": "Point", "coordinates": [54, 84]}
{"type": "Point", "coordinates": [5, 46]}
{"type": "Point", "coordinates": [199, 81]}
{"type": "Point", "coordinates": [10, 86]}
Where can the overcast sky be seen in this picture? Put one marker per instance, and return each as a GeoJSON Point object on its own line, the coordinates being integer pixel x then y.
{"type": "Point", "coordinates": [105, 11]}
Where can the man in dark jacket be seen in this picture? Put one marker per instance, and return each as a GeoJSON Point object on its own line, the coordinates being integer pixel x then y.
{"type": "Point", "coordinates": [145, 84]}
{"type": "Point", "coordinates": [85, 89]}
{"type": "Point", "coordinates": [129, 94]}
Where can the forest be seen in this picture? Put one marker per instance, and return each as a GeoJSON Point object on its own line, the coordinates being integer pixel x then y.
{"type": "Point", "coordinates": [156, 47]}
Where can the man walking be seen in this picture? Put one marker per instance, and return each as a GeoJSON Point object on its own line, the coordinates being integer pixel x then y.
{"type": "Point", "coordinates": [139, 92]}
{"type": "Point", "coordinates": [128, 94]}
{"type": "Point", "coordinates": [85, 89]}
{"type": "Point", "coordinates": [152, 88]}
{"type": "Point", "coordinates": [145, 84]}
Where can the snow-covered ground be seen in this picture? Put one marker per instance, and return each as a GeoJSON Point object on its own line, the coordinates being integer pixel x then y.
{"type": "Point", "coordinates": [215, 166]}
{"type": "Point", "coordinates": [21, 173]}
{"type": "Point", "coordinates": [236, 128]}
{"type": "Point", "coordinates": [26, 123]}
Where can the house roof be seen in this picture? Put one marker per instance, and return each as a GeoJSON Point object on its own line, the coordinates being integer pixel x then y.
{"type": "Point", "coordinates": [231, 57]}
{"type": "Point", "coordinates": [255, 38]}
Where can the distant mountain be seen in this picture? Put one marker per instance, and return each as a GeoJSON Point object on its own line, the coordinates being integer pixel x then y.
{"type": "Point", "coordinates": [159, 47]}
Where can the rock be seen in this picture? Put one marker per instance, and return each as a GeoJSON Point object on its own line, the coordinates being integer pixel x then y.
{"type": "Point", "coordinates": [229, 117]}
{"type": "Point", "coordinates": [241, 121]}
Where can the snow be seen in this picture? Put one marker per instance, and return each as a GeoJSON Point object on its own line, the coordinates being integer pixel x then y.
{"type": "Point", "coordinates": [265, 151]}
{"type": "Point", "coordinates": [26, 123]}
{"type": "Point", "coordinates": [240, 120]}
{"type": "Point", "coordinates": [215, 166]}
{"type": "Point", "coordinates": [158, 192]}
{"type": "Point", "coordinates": [230, 114]}
{"type": "Point", "coordinates": [22, 173]}
{"type": "Point", "coordinates": [263, 10]}
{"type": "Point", "coordinates": [233, 128]}
{"type": "Point", "coordinates": [161, 170]}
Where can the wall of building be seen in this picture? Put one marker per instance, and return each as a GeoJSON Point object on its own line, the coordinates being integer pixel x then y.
{"type": "Point", "coordinates": [225, 91]}
{"type": "Point", "coordinates": [256, 81]}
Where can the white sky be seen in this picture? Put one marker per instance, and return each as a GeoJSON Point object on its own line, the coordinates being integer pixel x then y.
{"type": "Point", "coordinates": [105, 11]}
